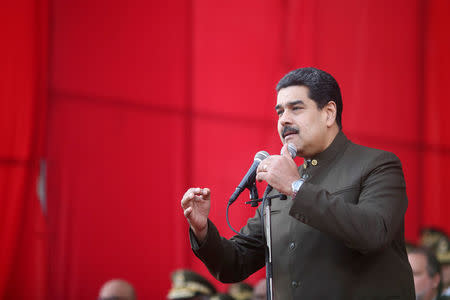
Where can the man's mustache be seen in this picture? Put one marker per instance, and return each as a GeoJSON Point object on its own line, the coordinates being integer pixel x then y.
{"type": "Point", "coordinates": [289, 129]}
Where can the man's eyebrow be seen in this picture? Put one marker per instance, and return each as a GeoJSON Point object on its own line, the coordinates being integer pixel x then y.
{"type": "Point", "coordinates": [292, 103]}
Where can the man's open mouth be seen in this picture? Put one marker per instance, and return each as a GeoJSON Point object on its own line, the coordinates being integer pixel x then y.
{"type": "Point", "coordinates": [288, 131]}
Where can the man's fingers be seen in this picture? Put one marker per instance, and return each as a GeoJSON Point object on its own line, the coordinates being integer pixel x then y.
{"type": "Point", "coordinates": [199, 198]}
{"type": "Point", "coordinates": [195, 190]}
{"type": "Point", "coordinates": [261, 176]}
{"type": "Point", "coordinates": [262, 167]}
{"type": "Point", "coordinates": [187, 211]}
{"type": "Point", "coordinates": [189, 193]}
{"type": "Point", "coordinates": [285, 151]}
{"type": "Point", "coordinates": [186, 199]}
{"type": "Point", "coordinates": [206, 192]}
{"type": "Point", "coordinates": [200, 191]}
{"type": "Point", "coordinates": [259, 169]}
{"type": "Point", "coordinates": [188, 196]}
{"type": "Point", "coordinates": [194, 194]}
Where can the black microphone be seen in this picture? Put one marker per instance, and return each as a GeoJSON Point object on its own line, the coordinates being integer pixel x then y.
{"type": "Point", "coordinates": [249, 178]}
{"type": "Point", "coordinates": [293, 152]}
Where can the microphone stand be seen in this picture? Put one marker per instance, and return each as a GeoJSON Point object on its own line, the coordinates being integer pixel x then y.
{"type": "Point", "coordinates": [267, 204]}
{"type": "Point", "coordinates": [267, 224]}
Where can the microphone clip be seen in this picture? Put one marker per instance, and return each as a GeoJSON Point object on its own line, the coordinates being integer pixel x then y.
{"type": "Point", "coordinates": [254, 202]}
{"type": "Point", "coordinates": [253, 194]}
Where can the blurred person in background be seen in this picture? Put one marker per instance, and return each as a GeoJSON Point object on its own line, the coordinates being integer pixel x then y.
{"type": "Point", "coordinates": [427, 274]}
{"type": "Point", "coordinates": [241, 291]}
{"type": "Point", "coordinates": [189, 285]}
{"type": "Point", "coordinates": [259, 292]}
{"type": "Point", "coordinates": [342, 221]}
{"type": "Point", "coordinates": [117, 289]}
{"type": "Point", "coordinates": [439, 243]}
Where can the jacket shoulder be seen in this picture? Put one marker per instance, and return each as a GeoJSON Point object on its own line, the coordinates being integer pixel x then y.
{"type": "Point", "coordinates": [369, 154]}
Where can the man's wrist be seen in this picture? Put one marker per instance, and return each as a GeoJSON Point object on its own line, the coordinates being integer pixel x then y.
{"type": "Point", "coordinates": [200, 235]}
{"type": "Point", "coordinates": [296, 185]}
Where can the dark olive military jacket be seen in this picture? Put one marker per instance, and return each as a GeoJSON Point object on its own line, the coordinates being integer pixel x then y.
{"type": "Point", "coordinates": [341, 237]}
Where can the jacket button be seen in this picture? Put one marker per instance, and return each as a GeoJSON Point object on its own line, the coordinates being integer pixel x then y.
{"type": "Point", "coordinates": [294, 284]}
{"type": "Point", "coordinates": [292, 246]}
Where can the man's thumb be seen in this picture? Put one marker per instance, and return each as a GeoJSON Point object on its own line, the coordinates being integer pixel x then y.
{"type": "Point", "coordinates": [285, 150]}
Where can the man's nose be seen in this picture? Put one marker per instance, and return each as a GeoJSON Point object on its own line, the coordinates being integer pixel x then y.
{"type": "Point", "coordinates": [285, 119]}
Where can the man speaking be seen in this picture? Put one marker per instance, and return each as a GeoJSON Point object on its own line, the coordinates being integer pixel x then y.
{"type": "Point", "coordinates": [340, 233]}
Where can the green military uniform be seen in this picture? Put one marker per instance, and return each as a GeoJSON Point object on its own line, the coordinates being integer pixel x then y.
{"type": "Point", "coordinates": [187, 284]}
{"type": "Point", "coordinates": [341, 237]}
{"type": "Point", "coordinates": [241, 291]}
{"type": "Point", "coordinates": [221, 296]}
{"type": "Point", "coordinates": [438, 242]}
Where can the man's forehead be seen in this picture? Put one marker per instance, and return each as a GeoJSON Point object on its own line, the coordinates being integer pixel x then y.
{"type": "Point", "coordinates": [283, 103]}
{"type": "Point", "coordinates": [289, 103]}
{"type": "Point", "coordinates": [418, 259]}
{"type": "Point", "coordinates": [291, 94]}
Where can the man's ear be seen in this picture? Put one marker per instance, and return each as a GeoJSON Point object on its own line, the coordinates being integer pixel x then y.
{"type": "Point", "coordinates": [435, 280]}
{"type": "Point", "coordinates": [331, 110]}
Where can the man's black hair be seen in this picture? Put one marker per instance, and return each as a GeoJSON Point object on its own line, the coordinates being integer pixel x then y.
{"type": "Point", "coordinates": [433, 265]}
{"type": "Point", "coordinates": [323, 88]}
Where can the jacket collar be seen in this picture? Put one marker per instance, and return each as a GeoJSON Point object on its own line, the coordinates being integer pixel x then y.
{"type": "Point", "coordinates": [325, 157]}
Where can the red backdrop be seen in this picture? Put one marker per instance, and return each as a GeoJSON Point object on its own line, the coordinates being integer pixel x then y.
{"type": "Point", "coordinates": [148, 98]}
{"type": "Point", "coordinates": [23, 97]}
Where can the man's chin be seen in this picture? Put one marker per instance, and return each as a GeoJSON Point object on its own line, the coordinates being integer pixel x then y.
{"type": "Point", "coordinates": [420, 296]}
{"type": "Point", "coordinates": [290, 139]}
{"type": "Point", "coordinates": [293, 139]}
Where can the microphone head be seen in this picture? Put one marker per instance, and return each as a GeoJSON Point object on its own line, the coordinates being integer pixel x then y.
{"type": "Point", "coordinates": [292, 150]}
{"type": "Point", "coordinates": [260, 156]}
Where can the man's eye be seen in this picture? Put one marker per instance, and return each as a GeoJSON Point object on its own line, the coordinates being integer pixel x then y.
{"type": "Point", "coordinates": [279, 112]}
{"type": "Point", "coordinates": [296, 108]}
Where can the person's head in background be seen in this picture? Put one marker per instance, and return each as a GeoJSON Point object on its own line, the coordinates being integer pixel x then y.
{"type": "Point", "coordinates": [259, 292]}
{"type": "Point", "coordinates": [427, 273]}
{"type": "Point", "coordinates": [188, 285]}
{"type": "Point", "coordinates": [117, 289]}
{"type": "Point", "coordinates": [438, 242]}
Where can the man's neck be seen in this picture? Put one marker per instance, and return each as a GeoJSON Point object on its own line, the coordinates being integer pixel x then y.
{"type": "Point", "coordinates": [333, 132]}
{"type": "Point", "coordinates": [328, 140]}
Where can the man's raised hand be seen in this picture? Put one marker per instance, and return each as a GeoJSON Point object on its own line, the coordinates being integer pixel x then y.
{"type": "Point", "coordinates": [196, 204]}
